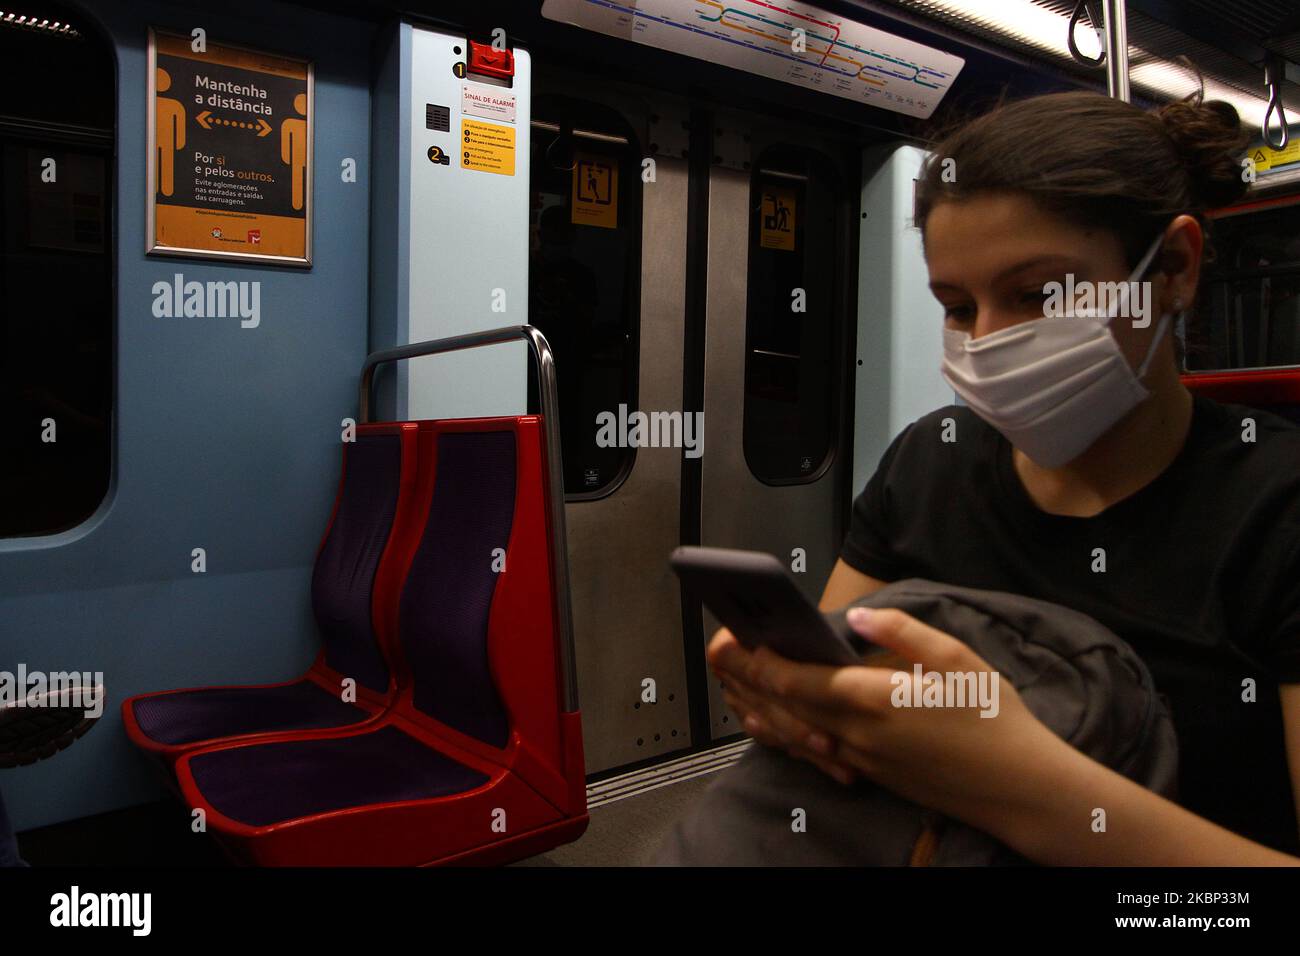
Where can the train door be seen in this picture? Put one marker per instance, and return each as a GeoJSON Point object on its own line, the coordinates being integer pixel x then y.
{"type": "Point", "coordinates": [782, 210]}
{"type": "Point", "coordinates": [605, 287]}
{"type": "Point", "coordinates": [701, 289]}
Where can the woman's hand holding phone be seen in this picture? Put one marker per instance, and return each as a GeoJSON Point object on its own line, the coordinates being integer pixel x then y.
{"type": "Point", "coordinates": [762, 714]}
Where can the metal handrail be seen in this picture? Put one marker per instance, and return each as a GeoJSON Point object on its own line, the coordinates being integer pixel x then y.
{"type": "Point", "coordinates": [545, 361]}
{"type": "Point", "coordinates": [1116, 23]}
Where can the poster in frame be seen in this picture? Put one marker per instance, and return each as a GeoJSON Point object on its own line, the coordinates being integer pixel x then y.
{"type": "Point", "coordinates": [230, 135]}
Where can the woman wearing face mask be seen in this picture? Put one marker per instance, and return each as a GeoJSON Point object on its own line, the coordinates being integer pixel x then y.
{"type": "Point", "coordinates": [1082, 472]}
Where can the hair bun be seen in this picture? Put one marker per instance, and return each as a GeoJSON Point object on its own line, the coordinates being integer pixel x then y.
{"type": "Point", "coordinates": [1211, 141]}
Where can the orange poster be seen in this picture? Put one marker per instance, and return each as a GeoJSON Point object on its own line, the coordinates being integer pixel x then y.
{"type": "Point", "coordinates": [231, 138]}
{"type": "Point", "coordinates": [595, 191]}
{"type": "Point", "coordinates": [777, 224]}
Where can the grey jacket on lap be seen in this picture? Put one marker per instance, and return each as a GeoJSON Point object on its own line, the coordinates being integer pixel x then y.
{"type": "Point", "coordinates": [1073, 674]}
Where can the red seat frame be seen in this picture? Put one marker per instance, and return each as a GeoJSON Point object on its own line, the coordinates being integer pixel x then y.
{"type": "Point", "coordinates": [1257, 388]}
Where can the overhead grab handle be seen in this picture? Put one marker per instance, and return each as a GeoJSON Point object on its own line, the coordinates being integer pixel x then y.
{"type": "Point", "coordinates": [1274, 72]}
{"type": "Point", "coordinates": [1080, 8]}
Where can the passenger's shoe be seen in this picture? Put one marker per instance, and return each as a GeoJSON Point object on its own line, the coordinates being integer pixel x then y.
{"type": "Point", "coordinates": [44, 724]}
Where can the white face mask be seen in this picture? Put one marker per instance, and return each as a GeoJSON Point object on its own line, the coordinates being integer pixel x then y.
{"type": "Point", "coordinates": [1054, 385]}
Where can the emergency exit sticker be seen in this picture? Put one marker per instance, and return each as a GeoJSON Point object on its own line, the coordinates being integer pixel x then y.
{"type": "Point", "coordinates": [487, 147]}
{"type": "Point", "coordinates": [595, 192]}
{"type": "Point", "coordinates": [776, 226]}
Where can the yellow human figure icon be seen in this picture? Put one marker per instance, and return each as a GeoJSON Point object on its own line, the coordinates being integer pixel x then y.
{"type": "Point", "coordinates": [293, 149]}
{"type": "Point", "coordinates": [169, 133]}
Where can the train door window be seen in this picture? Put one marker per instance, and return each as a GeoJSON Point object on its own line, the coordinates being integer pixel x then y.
{"type": "Point", "coordinates": [583, 277]}
{"type": "Point", "coordinates": [790, 328]}
{"type": "Point", "coordinates": [1249, 308]}
{"type": "Point", "coordinates": [56, 271]}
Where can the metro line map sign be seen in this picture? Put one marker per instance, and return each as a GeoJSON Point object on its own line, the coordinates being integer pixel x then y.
{"type": "Point", "coordinates": [229, 152]}
{"type": "Point", "coordinates": [830, 55]}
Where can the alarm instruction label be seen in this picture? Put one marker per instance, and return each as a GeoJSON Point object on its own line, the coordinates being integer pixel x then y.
{"type": "Point", "coordinates": [487, 147]}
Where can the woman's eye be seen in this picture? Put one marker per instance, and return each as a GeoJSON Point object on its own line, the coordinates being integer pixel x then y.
{"type": "Point", "coordinates": [957, 313]}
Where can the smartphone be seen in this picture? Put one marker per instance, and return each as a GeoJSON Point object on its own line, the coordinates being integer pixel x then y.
{"type": "Point", "coordinates": [755, 598]}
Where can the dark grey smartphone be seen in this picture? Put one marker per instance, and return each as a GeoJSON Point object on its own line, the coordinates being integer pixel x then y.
{"type": "Point", "coordinates": [755, 598]}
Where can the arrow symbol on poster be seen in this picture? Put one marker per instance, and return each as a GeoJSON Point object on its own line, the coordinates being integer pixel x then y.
{"type": "Point", "coordinates": [205, 120]}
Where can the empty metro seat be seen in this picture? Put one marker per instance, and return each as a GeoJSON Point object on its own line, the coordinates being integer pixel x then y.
{"type": "Point", "coordinates": [359, 566]}
{"type": "Point", "coordinates": [477, 760]}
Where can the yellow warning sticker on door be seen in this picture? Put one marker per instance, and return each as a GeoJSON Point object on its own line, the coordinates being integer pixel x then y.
{"type": "Point", "coordinates": [487, 147]}
{"type": "Point", "coordinates": [1265, 157]}
{"type": "Point", "coordinates": [776, 227]}
{"type": "Point", "coordinates": [595, 191]}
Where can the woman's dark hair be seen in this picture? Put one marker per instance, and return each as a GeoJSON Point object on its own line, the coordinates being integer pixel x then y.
{"type": "Point", "coordinates": [1095, 161]}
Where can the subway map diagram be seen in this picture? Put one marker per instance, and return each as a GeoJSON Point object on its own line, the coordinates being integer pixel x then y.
{"type": "Point", "coordinates": [794, 42]}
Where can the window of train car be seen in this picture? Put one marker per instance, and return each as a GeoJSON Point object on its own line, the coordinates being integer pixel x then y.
{"type": "Point", "coordinates": [790, 328]}
{"type": "Point", "coordinates": [584, 276]}
{"type": "Point", "coordinates": [1249, 311]}
{"type": "Point", "coordinates": [56, 274]}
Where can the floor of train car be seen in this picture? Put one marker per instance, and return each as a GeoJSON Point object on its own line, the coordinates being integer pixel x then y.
{"type": "Point", "coordinates": [625, 828]}
{"type": "Point", "coordinates": [628, 831]}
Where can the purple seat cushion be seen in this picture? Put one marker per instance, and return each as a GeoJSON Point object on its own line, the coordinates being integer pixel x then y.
{"type": "Point", "coordinates": [269, 783]}
{"type": "Point", "coordinates": [213, 712]}
{"type": "Point", "coordinates": [447, 598]}
{"type": "Point", "coordinates": [343, 580]}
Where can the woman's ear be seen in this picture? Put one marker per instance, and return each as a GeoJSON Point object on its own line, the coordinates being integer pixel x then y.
{"type": "Point", "coordinates": [1180, 263]}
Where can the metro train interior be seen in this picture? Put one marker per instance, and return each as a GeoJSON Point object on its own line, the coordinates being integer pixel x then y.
{"type": "Point", "coordinates": [357, 401]}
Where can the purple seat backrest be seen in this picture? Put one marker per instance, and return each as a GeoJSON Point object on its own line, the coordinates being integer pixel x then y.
{"type": "Point", "coordinates": [343, 582]}
{"type": "Point", "coordinates": [448, 592]}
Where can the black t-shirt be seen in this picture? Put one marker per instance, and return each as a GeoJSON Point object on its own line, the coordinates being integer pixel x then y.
{"type": "Point", "coordinates": [1202, 578]}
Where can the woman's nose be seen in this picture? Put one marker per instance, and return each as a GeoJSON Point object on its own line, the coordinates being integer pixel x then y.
{"type": "Point", "coordinates": [990, 320]}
